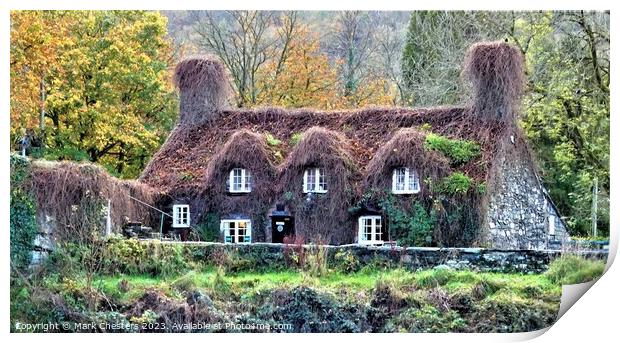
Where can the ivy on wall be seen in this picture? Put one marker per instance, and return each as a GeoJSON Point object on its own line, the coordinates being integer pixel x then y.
{"type": "Point", "coordinates": [410, 227]}
{"type": "Point", "coordinates": [23, 226]}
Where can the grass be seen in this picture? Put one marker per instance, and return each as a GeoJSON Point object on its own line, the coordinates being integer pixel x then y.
{"type": "Point", "coordinates": [570, 269]}
{"type": "Point", "coordinates": [452, 282]}
{"type": "Point", "coordinates": [374, 299]}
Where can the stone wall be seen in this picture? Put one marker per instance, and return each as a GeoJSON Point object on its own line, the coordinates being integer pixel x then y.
{"type": "Point", "coordinates": [270, 255]}
{"type": "Point", "coordinates": [519, 210]}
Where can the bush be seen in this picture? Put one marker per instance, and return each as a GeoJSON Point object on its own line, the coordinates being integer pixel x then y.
{"type": "Point", "coordinates": [458, 151]}
{"type": "Point", "coordinates": [347, 262]}
{"type": "Point", "coordinates": [130, 256]}
{"type": "Point", "coordinates": [23, 224]}
{"type": "Point", "coordinates": [455, 184]}
{"type": "Point", "coordinates": [411, 228]}
{"type": "Point", "coordinates": [426, 319]}
{"type": "Point", "coordinates": [209, 229]}
{"type": "Point", "coordinates": [571, 269]}
{"type": "Point", "coordinates": [310, 311]}
{"type": "Point", "coordinates": [295, 138]}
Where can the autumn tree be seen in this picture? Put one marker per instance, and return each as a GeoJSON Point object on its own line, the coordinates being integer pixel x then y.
{"type": "Point", "coordinates": [108, 96]}
{"type": "Point", "coordinates": [304, 78]}
{"type": "Point", "coordinates": [34, 55]}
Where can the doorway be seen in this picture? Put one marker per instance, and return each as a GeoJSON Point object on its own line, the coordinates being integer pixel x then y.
{"type": "Point", "coordinates": [282, 226]}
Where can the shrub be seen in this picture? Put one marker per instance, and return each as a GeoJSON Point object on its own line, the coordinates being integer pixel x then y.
{"type": "Point", "coordinates": [295, 138]}
{"type": "Point", "coordinates": [271, 140]}
{"type": "Point", "coordinates": [458, 151]}
{"type": "Point", "coordinates": [310, 311]}
{"type": "Point", "coordinates": [426, 319]}
{"type": "Point", "coordinates": [571, 269]}
{"type": "Point", "coordinates": [316, 261]}
{"type": "Point", "coordinates": [130, 256]}
{"type": "Point", "coordinates": [412, 228]}
{"type": "Point", "coordinates": [209, 229]}
{"type": "Point", "coordinates": [347, 262]}
{"type": "Point", "coordinates": [23, 225]}
{"type": "Point", "coordinates": [455, 184]}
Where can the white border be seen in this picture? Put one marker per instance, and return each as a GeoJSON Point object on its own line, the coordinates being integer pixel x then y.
{"type": "Point", "coordinates": [592, 319]}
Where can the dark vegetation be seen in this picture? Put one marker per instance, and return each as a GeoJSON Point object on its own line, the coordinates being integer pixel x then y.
{"type": "Point", "coordinates": [23, 222]}
{"type": "Point", "coordinates": [139, 283]}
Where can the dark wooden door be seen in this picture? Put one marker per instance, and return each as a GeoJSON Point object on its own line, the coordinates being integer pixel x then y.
{"type": "Point", "coordinates": [282, 226]}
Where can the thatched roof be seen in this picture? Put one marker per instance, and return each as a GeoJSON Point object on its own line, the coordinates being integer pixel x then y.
{"type": "Point", "coordinates": [367, 137]}
{"type": "Point", "coordinates": [183, 159]}
{"type": "Point", "coordinates": [63, 189]}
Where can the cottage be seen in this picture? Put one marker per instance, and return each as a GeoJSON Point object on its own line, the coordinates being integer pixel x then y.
{"type": "Point", "coordinates": [446, 176]}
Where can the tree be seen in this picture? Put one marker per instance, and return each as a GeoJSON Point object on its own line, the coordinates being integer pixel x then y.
{"type": "Point", "coordinates": [303, 79]}
{"type": "Point", "coordinates": [34, 54]}
{"type": "Point", "coordinates": [108, 95]}
{"type": "Point", "coordinates": [432, 57]}
{"type": "Point", "coordinates": [566, 105]}
{"type": "Point", "coordinates": [244, 41]}
{"type": "Point", "coordinates": [567, 111]}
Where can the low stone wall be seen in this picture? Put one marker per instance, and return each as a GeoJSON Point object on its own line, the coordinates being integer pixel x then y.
{"type": "Point", "coordinates": [270, 255]}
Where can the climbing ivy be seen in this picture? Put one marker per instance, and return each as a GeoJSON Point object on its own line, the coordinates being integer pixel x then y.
{"type": "Point", "coordinates": [209, 229]}
{"type": "Point", "coordinates": [455, 184]}
{"type": "Point", "coordinates": [413, 227]}
{"type": "Point", "coordinates": [458, 151]}
{"type": "Point", "coordinates": [23, 226]}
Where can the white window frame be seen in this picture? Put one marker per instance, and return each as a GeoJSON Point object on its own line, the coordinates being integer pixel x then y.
{"type": "Point", "coordinates": [319, 184]}
{"type": "Point", "coordinates": [411, 177]}
{"type": "Point", "coordinates": [178, 220]}
{"type": "Point", "coordinates": [234, 236]}
{"type": "Point", "coordinates": [375, 230]}
{"type": "Point", "coordinates": [245, 181]}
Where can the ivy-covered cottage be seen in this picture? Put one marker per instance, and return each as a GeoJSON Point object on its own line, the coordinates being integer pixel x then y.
{"type": "Point", "coordinates": [444, 176]}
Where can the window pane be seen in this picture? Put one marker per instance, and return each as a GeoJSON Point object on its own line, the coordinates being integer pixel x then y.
{"type": "Point", "coordinates": [400, 179]}
{"type": "Point", "coordinates": [311, 180]}
{"type": "Point", "coordinates": [322, 183]}
{"type": "Point", "coordinates": [248, 180]}
{"type": "Point", "coordinates": [413, 181]}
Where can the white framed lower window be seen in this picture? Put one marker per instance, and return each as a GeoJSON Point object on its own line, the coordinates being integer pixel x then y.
{"type": "Point", "coordinates": [236, 230]}
{"type": "Point", "coordinates": [314, 181]}
{"type": "Point", "coordinates": [370, 230]}
{"type": "Point", "coordinates": [180, 216]}
{"type": "Point", "coordinates": [405, 181]}
{"type": "Point", "coordinates": [240, 181]}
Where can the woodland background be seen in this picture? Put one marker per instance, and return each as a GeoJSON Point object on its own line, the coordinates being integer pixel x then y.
{"type": "Point", "coordinates": [96, 85]}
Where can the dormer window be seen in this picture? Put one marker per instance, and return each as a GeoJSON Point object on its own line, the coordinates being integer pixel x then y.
{"type": "Point", "coordinates": [240, 181]}
{"type": "Point", "coordinates": [314, 181]}
{"type": "Point", "coordinates": [180, 216]}
{"type": "Point", "coordinates": [405, 181]}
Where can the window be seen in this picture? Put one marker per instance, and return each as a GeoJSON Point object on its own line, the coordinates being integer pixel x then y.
{"type": "Point", "coordinates": [237, 231]}
{"type": "Point", "coordinates": [552, 225]}
{"type": "Point", "coordinates": [314, 181]}
{"type": "Point", "coordinates": [405, 181]}
{"type": "Point", "coordinates": [240, 181]}
{"type": "Point", "coordinates": [180, 216]}
{"type": "Point", "coordinates": [369, 230]}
